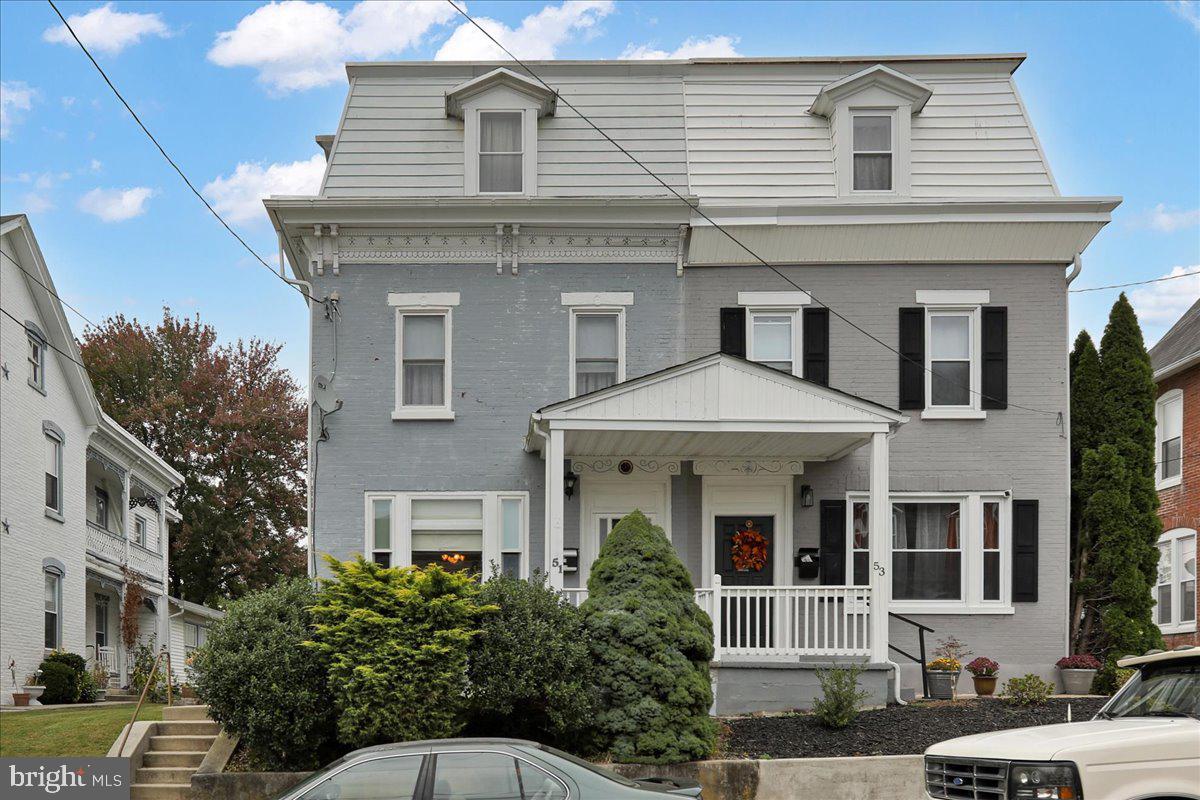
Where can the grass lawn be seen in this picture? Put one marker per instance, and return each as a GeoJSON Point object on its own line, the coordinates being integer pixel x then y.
{"type": "Point", "coordinates": [66, 732]}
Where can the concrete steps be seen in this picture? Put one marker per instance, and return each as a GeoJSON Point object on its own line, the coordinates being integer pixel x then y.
{"type": "Point", "coordinates": [178, 745]}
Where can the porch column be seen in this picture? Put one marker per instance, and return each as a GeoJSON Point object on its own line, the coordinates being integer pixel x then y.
{"type": "Point", "coordinates": [554, 508]}
{"type": "Point", "coordinates": [880, 546]}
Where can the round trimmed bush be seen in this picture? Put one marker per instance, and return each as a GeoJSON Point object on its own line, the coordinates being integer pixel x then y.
{"type": "Point", "coordinates": [652, 645]}
{"type": "Point", "coordinates": [61, 682]}
{"type": "Point", "coordinates": [262, 683]}
{"type": "Point", "coordinates": [530, 668]}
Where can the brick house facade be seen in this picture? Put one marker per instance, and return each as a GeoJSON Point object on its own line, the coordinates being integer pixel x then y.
{"type": "Point", "coordinates": [1176, 361]}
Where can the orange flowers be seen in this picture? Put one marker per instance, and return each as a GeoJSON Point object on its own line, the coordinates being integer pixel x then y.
{"type": "Point", "coordinates": [453, 558]}
{"type": "Point", "coordinates": [749, 549]}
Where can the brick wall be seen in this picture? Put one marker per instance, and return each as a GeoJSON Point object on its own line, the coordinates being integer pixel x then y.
{"type": "Point", "coordinates": [1180, 505]}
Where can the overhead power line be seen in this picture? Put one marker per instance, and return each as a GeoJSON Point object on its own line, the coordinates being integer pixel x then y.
{"type": "Point", "coordinates": [48, 290]}
{"type": "Point", "coordinates": [1139, 283]}
{"type": "Point", "coordinates": [49, 344]}
{"type": "Point", "coordinates": [170, 160]}
{"type": "Point", "coordinates": [697, 210]}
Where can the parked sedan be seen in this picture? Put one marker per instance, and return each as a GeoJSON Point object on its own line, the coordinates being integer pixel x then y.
{"type": "Point", "coordinates": [476, 769]}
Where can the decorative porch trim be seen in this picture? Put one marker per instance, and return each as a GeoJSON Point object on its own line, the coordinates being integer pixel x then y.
{"type": "Point", "coordinates": [742, 466]}
{"type": "Point", "coordinates": [104, 581]}
{"type": "Point", "coordinates": [106, 462]}
{"type": "Point", "coordinates": [623, 466]}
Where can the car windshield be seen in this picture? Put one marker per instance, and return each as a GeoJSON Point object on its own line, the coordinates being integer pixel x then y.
{"type": "Point", "coordinates": [589, 766]}
{"type": "Point", "coordinates": [1169, 689]}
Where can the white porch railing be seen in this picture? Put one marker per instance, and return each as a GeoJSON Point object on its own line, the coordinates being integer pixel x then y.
{"type": "Point", "coordinates": [105, 543]}
{"type": "Point", "coordinates": [782, 620]}
{"type": "Point", "coordinates": [106, 657]}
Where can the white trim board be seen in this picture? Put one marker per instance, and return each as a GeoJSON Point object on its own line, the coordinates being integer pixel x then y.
{"type": "Point", "coordinates": [419, 300]}
{"type": "Point", "coordinates": [953, 297]}
{"type": "Point", "coordinates": [775, 299]}
{"type": "Point", "coordinates": [597, 298]}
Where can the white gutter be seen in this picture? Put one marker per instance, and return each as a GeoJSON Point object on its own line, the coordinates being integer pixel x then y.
{"type": "Point", "coordinates": [1076, 268]}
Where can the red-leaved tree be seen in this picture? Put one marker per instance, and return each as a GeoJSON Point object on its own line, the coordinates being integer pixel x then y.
{"type": "Point", "coordinates": [233, 423]}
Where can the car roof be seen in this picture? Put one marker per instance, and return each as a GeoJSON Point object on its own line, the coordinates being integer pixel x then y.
{"type": "Point", "coordinates": [1156, 656]}
{"type": "Point", "coordinates": [433, 744]}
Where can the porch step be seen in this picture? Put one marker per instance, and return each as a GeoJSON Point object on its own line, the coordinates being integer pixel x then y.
{"type": "Point", "coordinates": [160, 791]}
{"type": "Point", "coordinates": [179, 713]}
{"type": "Point", "coordinates": [176, 744]}
{"type": "Point", "coordinates": [176, 758]}
{"type": "Point", "coordinates": [120, 695]}
{"type": "Point", "coordinates": [188, 727]}
{"type": "Point", "coordinates": [164, 775]}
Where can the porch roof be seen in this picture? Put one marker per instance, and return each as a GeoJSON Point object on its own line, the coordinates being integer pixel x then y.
{"type": "Point", "coordinates": [714, 406]}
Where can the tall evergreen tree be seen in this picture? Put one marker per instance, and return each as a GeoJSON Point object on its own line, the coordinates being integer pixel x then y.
{"type": "Point", "coordinates": [1087, 391]}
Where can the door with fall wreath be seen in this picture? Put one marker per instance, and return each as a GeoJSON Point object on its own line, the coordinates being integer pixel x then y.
{"type": "Point", "coordinates": [746, 557]}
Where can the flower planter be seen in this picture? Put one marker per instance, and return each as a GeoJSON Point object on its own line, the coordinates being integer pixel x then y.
{"type": "Point", "coordinates": [34, 693]}
{"type": "Point", "coordinates": [985, 685]}
{"type": "Point", "coordinates": [20, 699]}
{"type": "Point", "coordinates": [101, 694]}
{"type": "Point", "coordinates": [942, 684]}
{"type": "Point", "coordinates": [1077, 681]}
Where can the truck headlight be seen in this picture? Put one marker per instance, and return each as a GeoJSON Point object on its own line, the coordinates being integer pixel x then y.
{"type": "Point", "coordinates": [1050, 780]}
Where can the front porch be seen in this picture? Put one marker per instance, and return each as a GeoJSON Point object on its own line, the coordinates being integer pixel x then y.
{"type": "Point", "coordinates": [714, 451]}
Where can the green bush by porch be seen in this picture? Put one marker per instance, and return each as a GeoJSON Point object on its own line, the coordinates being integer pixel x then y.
{"type": "Point", "coordinates": [651, 645]}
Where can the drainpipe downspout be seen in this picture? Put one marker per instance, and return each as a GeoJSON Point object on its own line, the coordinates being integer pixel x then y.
{"type": "Point", "coordinates": [895, 682]}
{"type": "Point", "coordinates": [1076, 268]}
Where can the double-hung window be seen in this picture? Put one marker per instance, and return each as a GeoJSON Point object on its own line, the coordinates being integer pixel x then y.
{"type": "Point", "coordinates": [101, 518]}
{"type": "Point", "coordinates": [596, 355]}
{"type": "Point", "coordinates": [773, 339]}
{"type": "Point", "coordinates": [1175, 588]}
{"type": "Point", "coordinates": [501, 152]}
{"type": "Point", "coordinates": [194, 637]}
{"type": "Point", "coordinates": [458, 531]}
{"type": "Point", "coordinates": [53, 614]}
{"type": "Point", "coordinates": [1168, 436]}
{"type": "Point", "coordinates": [36, 356]}
{"type": "Point", "coordinates": [949, 552]}
{"type": "Point", "coordinates": [423, 355]}
{"type": "Point", "coordinates": [54, 465]}
{"type": "Point", "coordinates": [950, 363]}
{"type": "Point", "coordinates": [139, 531]}
{"type": "Point", "coordinates": [872, 151]}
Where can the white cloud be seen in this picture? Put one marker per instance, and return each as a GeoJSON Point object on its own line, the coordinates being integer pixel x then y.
{"type": "Point", "coordinates": [1187, 10]}
{"type": "Point", "coordinates": [95, 165]}
{"type": "Point", "coordinates": [708, 47]}
{"type": "Point", "coordinates": [297, 45]}
{"type": "Point", "coordinates": [36, 203]}
{"type": "Point", "coordinates": [1165, 301]}
{"type": "Point", "coordinates": [1167, 220]}
{"type": "Point", "coordinates": [108, 31]}
{"type": "Point", "coordinates": [116, 205]}
{"type": "Point", "coordinates": [239, 197]}
{"type": "Point", "coordinates": [15, 97]}
{"type": "Point", "coordinates": [538, 36]}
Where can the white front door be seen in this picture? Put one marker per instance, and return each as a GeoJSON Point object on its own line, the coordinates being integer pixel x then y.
{"type": "Point", "coordinates": [606, 499]}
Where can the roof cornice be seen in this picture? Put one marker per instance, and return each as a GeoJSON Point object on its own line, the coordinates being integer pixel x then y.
{"type": "Point", "coordinates": [455, 98]}
{"type": "Point", "coordinates": [897, 83]}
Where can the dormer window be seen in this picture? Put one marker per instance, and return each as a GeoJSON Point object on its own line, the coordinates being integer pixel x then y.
{"type": "Point", "coordinates": [501, 152]}
{"type": "Point", "coordinates": [872, 142]}
{"type": "Point", "coordinates": [500, 112]}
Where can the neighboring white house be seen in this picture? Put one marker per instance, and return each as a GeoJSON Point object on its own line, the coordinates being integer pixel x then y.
{"type": "Point", "coordinates": [189, 630]}
{"type": "Point", "coordinates": [84, 505]}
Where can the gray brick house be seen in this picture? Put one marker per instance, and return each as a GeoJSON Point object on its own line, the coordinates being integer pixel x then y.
{"type": "Point", "coordinates": [519, 336]}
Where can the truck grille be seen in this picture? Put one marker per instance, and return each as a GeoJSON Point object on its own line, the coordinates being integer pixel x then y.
{"type": "Point", "coordinates": [965, 778]}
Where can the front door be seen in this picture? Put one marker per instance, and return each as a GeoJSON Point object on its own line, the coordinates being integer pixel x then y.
{"type": "Point", "coordinates": [745, 549]}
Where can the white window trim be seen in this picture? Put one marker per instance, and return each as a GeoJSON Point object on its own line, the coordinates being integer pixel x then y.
{"type": "Point", "coordinates": [490, 526]}
{"type": "Point", "coordinates": [58, 511]}
{"type": "Point", "coordinates": [1174, 541]}
{"type": "Point", "coordinates": [797, 335]}
{"type": "Point", "coordinates": [34, 340]}
{"type": "Point", "coordinates": [1159, 409]}
{"type": "Point", "coordinates": [529, 153]}
{"type": "Point", "coordinates": [894, 140]}
{"type": "Point", "coordinates": [597, 298]}
{"type": "Point", "coordinates": [774, 299]}
{"type": "Point", "coordinates": [434, 304]}
{"type": "Point", "coordinates": [971, 547]}
{"type": "Point", "coordinates": [58, 607]}
{"type": "Point", "coordinates": [597, 311]}
{"type": "Point", "coordinates": [972, 410]}
{"type": "Point", "coordinates": [953, 297]}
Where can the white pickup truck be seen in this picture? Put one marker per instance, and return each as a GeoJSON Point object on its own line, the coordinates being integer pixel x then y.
{"type": "Point", "coordinates": [1143, 745]}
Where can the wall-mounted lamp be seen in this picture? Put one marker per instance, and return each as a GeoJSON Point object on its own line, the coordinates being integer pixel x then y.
{"type": "Point", "coordinates": [570, 480]}
{"type": "Point", "coordinates": [806, 496]}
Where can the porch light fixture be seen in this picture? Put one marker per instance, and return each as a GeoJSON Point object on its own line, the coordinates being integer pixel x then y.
{"type": "Point", "coordinates": [806, 496]}
{"type": "Point", "coordinates": [570, 479]}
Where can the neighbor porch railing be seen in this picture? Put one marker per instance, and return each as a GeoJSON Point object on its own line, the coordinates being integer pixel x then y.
{"type": "Point", "coordinates": [782, 620]}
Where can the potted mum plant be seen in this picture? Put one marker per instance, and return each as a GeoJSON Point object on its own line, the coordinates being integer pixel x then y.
{"type": "Point", "coordinates": [943, 677]}
{"type": "Point", "coordinates": [983, 674]}
{"type": "Point", "coordinates": [100, 679]}
{"type": "Point", "coordinates": [1077, 673]}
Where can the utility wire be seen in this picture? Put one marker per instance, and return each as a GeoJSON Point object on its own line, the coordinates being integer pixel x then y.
{"type": "Point", "coordinates": [49, 344]}
{"type": "Point", "coordinates": [170, 160]}
{"type": "Point", "coordinates": [696, 209]}
{"type": "Point", "coordinates": [48, 290]}
{"type": "Point", "coordinates": [1138, 283]}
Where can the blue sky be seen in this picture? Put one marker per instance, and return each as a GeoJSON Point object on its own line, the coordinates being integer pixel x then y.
{"type": "Point", "coordinates": [1113, 89]}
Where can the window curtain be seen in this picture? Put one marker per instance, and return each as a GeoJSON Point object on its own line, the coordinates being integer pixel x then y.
{"type": "Point", "coordinates": [500, 152]}
{"type": "Point", "coordinates": [424, 357]}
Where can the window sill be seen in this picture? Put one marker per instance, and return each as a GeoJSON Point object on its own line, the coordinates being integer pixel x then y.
{"type": "Point", "coordinates": [37, 388]}
{"type": "Point", "coordinates": [953, 413]}
{"type": "Point", "coordinates": [54, 515]}
{"type": "Point", "coordinates": [1169, 483]}
{"type": "Point", "coordinates": [947, 607]}
{"type": "Point", "coordinates": [429, 413]}
{"type": "Point", "coordinates": [1187, 627]}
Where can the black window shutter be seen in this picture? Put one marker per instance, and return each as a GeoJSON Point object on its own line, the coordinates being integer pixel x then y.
{"type": "Point", "coordinates": [733, 331]}
{"type": "Point", "coordinates": [912, 358]}
{"type": "Point", "coordinates": [995, 357]}
{"type": "Point", "coordinates": [1025, 551]}
{"type": "Point", "coordinates": [816, 345]}
{"type": "Point", "coordinates": [833, 542]}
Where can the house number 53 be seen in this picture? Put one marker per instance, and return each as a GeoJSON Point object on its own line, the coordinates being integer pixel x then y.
{"type": "Point", "coordinates": [878, 568]}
